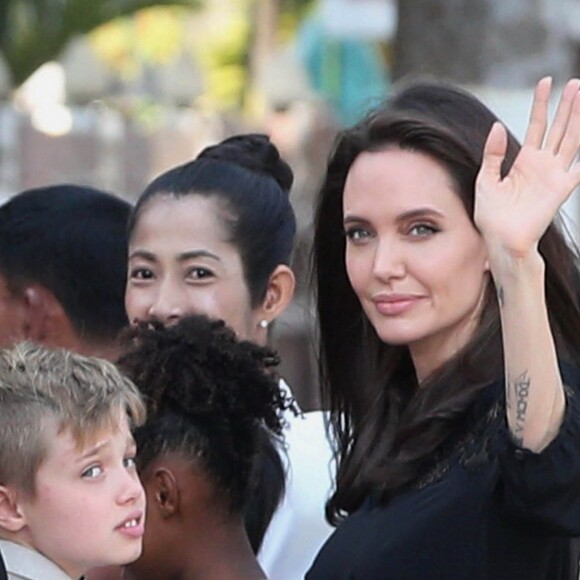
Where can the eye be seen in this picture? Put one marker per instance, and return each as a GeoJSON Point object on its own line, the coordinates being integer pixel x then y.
{"type": "Point", "coordinates": [199, 273]}
{"type": "Point", "coordinates": [423, 230]}
{"type": "Point", "coordinates": [140, 274]}
{"type": "Point", "coordinates": [129, 462]}
{"type": "Point", "coordinates": [357, 234]}
{"type": "Point", "coordinates": [92, 472]}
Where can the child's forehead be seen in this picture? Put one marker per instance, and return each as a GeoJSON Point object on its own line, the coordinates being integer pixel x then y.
{"type": "Point", "coordinates": [79, 439]}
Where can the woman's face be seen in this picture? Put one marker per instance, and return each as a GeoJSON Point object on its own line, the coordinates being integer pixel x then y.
{"type": "Point", "coordinates": [413, 256]}
{"type": "Point", "coordinates": [180, 263]}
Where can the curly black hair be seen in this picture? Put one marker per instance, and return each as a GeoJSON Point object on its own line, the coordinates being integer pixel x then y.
{"type": "Point", "coordinates": [208, 396]}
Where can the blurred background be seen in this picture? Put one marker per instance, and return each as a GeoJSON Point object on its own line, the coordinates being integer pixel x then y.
{"type": "Point", "coordinates": [112, 92]}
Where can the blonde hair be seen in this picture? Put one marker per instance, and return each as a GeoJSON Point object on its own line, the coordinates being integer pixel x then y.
{"type": "Point", "coordinates": [42, 387]}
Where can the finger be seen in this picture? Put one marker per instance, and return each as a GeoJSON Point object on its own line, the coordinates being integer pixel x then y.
{"type": "Point", "coordinates": [571, 139]}
{"type": "Point", "coordinates": [494, 152]}
{"type": "Point", "coordinates": [560, 123]}
{"type": "Point", "coordinates": [539, 115]}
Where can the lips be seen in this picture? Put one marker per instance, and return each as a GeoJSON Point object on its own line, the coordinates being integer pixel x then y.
{"type": "Point", "coordinates": [133, 526]}
{"type": "Point", "coordinates": [395, 304]}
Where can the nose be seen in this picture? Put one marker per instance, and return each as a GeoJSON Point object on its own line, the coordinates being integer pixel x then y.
{"type": "Point", "coordinates": [167, 305]}
{"type": "Point", "coordinates": [130, 488]}
{"type": "Point", "coordinates": [389, 261]}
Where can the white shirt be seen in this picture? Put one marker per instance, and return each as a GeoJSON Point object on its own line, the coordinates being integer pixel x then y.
{"type": "Point", "coordinates": [298, 528]}
{"type": "Point", "coordinates": [23, 563]}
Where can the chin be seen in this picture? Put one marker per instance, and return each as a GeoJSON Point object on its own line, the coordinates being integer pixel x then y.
{"type": "Point", "coordinates": [397, 338]}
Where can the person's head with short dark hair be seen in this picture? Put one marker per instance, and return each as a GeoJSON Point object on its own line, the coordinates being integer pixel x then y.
{"type": "Point", "coordinates": [211, 400]}
{"type": "Point", "coordinates": [63, 267]}
{"type": "Point", "coordinates": [215, 236]}
{"type": "Point", "coordinates": [69, 488]}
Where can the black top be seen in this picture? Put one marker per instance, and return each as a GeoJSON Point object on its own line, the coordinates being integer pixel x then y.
{"type": "Point", "coordinates": [3, 573]}
{"type": "Point", "coordinates": [485, 510]}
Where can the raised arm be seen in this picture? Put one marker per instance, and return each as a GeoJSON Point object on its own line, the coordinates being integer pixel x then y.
{"type": "Point", "coordinates": [512, 215]}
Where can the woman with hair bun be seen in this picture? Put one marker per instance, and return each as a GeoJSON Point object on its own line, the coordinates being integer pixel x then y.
{"type": "Point", "coordinates": [215, 236]}
{"type": "Point", "coordinates": [210, 400]}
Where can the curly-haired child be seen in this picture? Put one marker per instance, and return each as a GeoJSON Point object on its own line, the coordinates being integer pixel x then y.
{"type": "Point", "coordinates": [213, 402]}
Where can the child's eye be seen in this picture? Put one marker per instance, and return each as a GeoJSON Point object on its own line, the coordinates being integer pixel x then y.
{"type": "Point", "coordinates": [129, 462]}
{"type": "Point", "coordinates": [140, 274]}
{"type": "Point", "coordinates": [92, 472]}
{"type": "Point", "coordinates": [423, 230]}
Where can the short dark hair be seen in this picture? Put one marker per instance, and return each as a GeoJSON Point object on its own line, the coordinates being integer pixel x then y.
{"type": "Point", "coordinates": [247, 174]}
{"type": "Point", "coordinates": [72, 240]}
{"type": "Point", "coordinates": [209, 396]}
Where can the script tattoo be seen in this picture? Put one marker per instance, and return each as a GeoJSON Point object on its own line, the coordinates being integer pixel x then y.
{"type": "Point", "coordinates": [517, 399]}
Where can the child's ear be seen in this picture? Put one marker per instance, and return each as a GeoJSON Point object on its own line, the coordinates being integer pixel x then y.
{"type": "Point", "coordinates": [11, 518]}
{"type": "Point", "coordinates": [164, 493]}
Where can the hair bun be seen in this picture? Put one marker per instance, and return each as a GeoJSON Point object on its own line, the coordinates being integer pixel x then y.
{"type": "Point", "coordinates": [255, 152]}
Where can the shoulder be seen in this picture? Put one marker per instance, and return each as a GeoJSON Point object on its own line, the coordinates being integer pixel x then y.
{"type": "Point", "coordinates": [26, 563]}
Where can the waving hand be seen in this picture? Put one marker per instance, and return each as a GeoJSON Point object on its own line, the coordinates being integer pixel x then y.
{"type": "Point", "coordinates": [513, 213]}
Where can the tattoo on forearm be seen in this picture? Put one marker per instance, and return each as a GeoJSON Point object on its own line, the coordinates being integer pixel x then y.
{"type": "Point", "coordinates": [500, 296]}
{"type": "Point", "coordinates": [517, 399]}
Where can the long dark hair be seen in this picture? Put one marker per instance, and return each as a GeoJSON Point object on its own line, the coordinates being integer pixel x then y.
{"type": "Point", "coordinates": [386, 429]}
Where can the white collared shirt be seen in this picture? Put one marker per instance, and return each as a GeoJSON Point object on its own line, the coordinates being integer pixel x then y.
{"type": "Point", "coordinates": [23, 563]}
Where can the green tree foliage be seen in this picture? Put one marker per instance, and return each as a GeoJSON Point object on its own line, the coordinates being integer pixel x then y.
{"type": "Point", "coordinates": [33, 32]}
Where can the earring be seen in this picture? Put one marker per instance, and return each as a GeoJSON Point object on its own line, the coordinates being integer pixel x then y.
{"type": "Point", "coordinates": [263, 323]}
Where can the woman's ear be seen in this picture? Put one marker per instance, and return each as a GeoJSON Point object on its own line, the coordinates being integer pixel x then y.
{"type": "Point", "coordinates": [163, 492]}
{"type": "Point", "coordinates": [279, 294]}
{"type": "Point", "coordinates": [11, 518]}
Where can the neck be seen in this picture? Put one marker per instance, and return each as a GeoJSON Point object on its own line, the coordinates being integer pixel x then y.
{"type": "Point", "coordinates": [430, 355]}
{"type": "Point", "coordinates": [222, 551]}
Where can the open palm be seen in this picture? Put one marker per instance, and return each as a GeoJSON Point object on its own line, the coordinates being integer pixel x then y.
{"type": "Point", "coordinates": [513, 213]}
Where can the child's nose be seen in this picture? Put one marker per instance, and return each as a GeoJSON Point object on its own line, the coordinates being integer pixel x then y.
{"type": "Point", "coordinates": [131, 488]}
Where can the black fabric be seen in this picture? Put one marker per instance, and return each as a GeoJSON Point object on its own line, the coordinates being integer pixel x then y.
{"type": "Point", "coordinates": [486, 510]}
{"type": "Point", "coordinates": [3, 573]}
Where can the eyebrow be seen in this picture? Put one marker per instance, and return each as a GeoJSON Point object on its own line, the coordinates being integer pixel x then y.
{"type": "Point", "coordinates": [419, 212]}
{"type": "Point", "coordinates": [192, 254]}
{"type": "Point", "coordinates": [182, 257]}
{"type": "Point", "coordinates": [407, 215]}
{"type": "Point", "coordinates": [93, 450]}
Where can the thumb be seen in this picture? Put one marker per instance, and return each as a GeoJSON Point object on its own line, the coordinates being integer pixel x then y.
{"type": "Point", "coordinates": [494, 152]}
